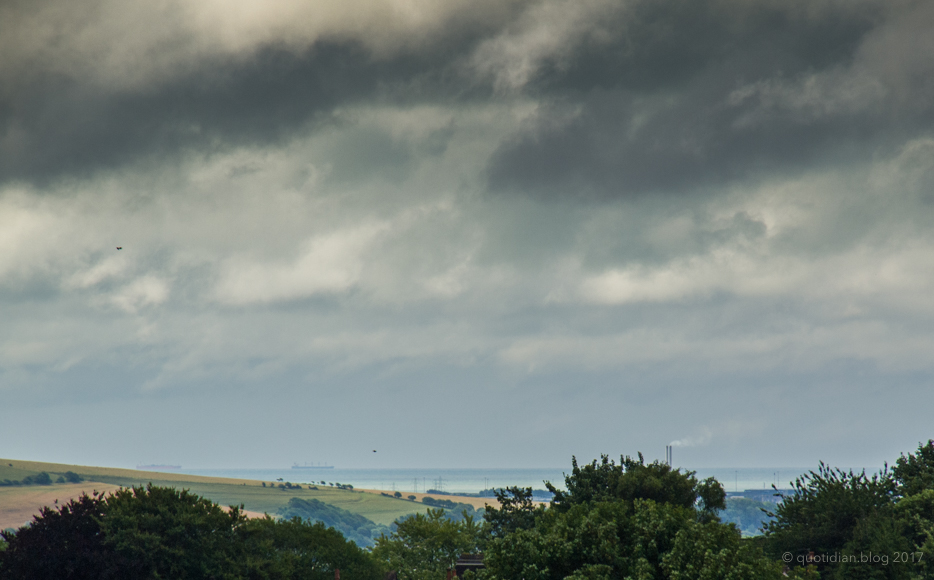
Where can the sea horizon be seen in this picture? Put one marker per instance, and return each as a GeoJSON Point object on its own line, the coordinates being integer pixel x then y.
{"type": "Point", "coordinates": [474, 480]}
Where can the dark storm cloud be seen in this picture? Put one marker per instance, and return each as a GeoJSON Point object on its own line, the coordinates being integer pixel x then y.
{"type": "Point", "coordinates": [63, 126]}
{"type": "Point", "coordinates": [693, 94]}
{"type": "Point", "coordinates": [96, 85]}
{"type": "Point", "coordinates": [668, 44]}
{"type": "Point", "coordinates": [602, 152]}
{"type": "Point", "coordinates": [645, 96]}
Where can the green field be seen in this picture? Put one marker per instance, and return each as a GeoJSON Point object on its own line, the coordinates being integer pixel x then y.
{"type": "Point", "coordinates": [378, 508]}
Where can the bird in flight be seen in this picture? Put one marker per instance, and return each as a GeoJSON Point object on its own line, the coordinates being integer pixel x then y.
{"type": "Point", "coordinates": [374, 451]}
{"type": "Point", "coordinates": [119, 247]}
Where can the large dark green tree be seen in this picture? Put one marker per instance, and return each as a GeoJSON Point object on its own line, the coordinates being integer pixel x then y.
{"type": "Point", "coordinates": [839, 519]}
{"type": "Point", "coordinates": [155, 532]}
{"type": "Point", "coordinates": [516, 511]}
{"type": "Point", "coordinates": [172, 533]}
{"type": "Point", "coordinates": [825, 508]}
{"type": "Point", "coordinates": [627, 520]}
{"type": "Point", "coordinates": [633, 479]}
{"type": "Point", "coordinates": [294, 548]}
{"type": "Point", "coordinates": [65, 543]}
{"type": "Point", "coordinates": [425, 546]}
{"type": "Point", "coordinates": [914, 472]}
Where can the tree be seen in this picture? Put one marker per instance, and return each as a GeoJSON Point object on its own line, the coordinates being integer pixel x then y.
{"type": "Point", "coordinates": [425, 546]}
{"type": "Point", "coordinates": [711, 497]}
{"type": "Point", "coordinates": [634, 479]}
{"type": "Point", "coordinates": [914, 473]}
{"type": "Point", "coordinates": [630, 520]}
{"type": "Point", "coordinates": [611, 539]}
{"type": "Point", "coordinates": [516, 511]}
{"type": "Point", "coordinates": [41, 478]}
{"type": "Point", "coordinates": [826, 510]}
{"type": "Point", "coordinates": [714, 551]}
{"type": "Point", "coordinates": [879, 527]}
{"type": "Point", "coordinates": [880, 534]}
{"type": "Point", "coordinates": [154, 532]}
{"type": "Point", "coordinates": [172, 533]}
{"type": "Point", "coordinates": [292, 548]}
{"type": "Point", "coordinates": [916, 512]}
{"type": "Point", "coordinates": [66, 544]}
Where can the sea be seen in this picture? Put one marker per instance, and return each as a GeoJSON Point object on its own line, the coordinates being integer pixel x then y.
{"type": "Point", "coordinates": [455, 481]}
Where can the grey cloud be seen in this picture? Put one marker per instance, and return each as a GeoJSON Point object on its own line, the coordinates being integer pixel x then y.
{"type": "Point", "coordinates": [635, 96]}
{"type": "Point", "coordinates": [313, 221]}
{"type": "Point", "coordinates": [131, 81]}
{"type": "Point", "coordinates": [59, 126]}
{"type": "Point", "coordinates": [130, 45]}
{"type": "Point", "coordinates": [691, 95]}
{"type": "Point", "coordinates": [610, 149]}
{"type": "Point", "coordinates": [645, 46]}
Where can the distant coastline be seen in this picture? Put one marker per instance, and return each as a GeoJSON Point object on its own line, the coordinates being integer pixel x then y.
{"type": "Point", "coordinates": [474, 480]}
{"type": "Point", "coordinates": [158, 467]}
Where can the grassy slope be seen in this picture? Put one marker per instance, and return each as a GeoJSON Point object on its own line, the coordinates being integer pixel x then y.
{"type": "Point", "coordinates": [19, 504]}
{"type": "Point", "coordinates": [15, 501]}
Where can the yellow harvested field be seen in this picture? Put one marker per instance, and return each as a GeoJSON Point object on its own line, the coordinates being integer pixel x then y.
{"type": "Point", "coordinates": [19, 504]}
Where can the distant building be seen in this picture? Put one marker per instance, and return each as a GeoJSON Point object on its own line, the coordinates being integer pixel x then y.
{"type": "Point", "coordinates": [466, 562]}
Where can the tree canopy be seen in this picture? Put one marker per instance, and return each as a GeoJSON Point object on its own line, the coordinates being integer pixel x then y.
{"type": "Point", "coordinates": [626, 520]}
{"type": "Point", "coordinates": [633, 479]}
{"type": "Point", "coordinates": [853, 525]}
{"type": "Point", "coordinates": [156, 532]}
{"type": "Point", "coordinates": [425, 546]}
{"type": "Point", "coordinates": [630, 520]}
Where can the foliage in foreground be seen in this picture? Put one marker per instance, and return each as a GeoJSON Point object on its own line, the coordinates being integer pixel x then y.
{"type": "Point", "coordinates": [631, 520]}
{"type": "Point", "coordinates": [425, 546]}
{"type": "Point", "coordinates": [850, 525]}
{"type": "Point", "coordinates": [155, 532]}
{"type": "Point", "coordinates": [649, 521]}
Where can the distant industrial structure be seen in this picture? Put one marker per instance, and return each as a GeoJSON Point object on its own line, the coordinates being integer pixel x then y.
{"type": "Point", "coordinates": [765, 495]}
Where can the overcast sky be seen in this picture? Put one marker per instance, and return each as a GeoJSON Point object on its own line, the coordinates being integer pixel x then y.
{"type": "Point", "coordinates": [481, 233]}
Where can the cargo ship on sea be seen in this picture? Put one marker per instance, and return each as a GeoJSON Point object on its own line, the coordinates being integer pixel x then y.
{"type": "Point", "coordinates": [307, 466]}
